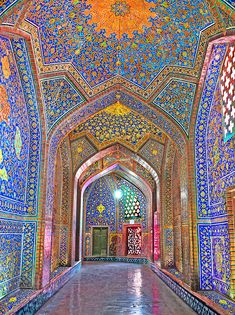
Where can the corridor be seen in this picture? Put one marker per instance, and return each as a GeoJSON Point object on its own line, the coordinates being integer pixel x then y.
{"type": "Point", "coordinates": [115, 288]}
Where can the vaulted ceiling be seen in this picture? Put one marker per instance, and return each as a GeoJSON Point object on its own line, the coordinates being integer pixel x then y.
{"type": "Point", "coordinates": [131, 39]}
{"type": "Point", "coordinates": [149, 51]}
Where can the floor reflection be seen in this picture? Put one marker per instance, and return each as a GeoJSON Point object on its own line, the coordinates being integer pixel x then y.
{"type": "Point", "coordinates": [115, 288]}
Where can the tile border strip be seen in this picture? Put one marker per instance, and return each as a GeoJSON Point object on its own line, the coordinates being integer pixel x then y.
{"type": "Point", "coordinates": [39, 298]}
{"type": "Point", "coordinates": [133, 260]}
{"type": "Point", "coordinates": [191, 299]}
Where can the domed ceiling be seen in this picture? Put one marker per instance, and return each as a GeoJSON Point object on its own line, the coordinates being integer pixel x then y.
{"type": "Point", "coordinates": [134, 39]}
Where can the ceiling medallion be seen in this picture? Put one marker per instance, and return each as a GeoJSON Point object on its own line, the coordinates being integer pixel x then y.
{"type": "Point", "coordinates": [120, 8]}
{"type": "Point", "coordinates": [121, 16]}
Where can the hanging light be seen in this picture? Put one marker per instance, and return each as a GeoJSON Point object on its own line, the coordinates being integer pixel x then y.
{"type": "Point", "coordinates": [118, 194]}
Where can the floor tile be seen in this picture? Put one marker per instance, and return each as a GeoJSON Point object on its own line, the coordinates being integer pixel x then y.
{"type": "Point", "coordinates": [113, 289]}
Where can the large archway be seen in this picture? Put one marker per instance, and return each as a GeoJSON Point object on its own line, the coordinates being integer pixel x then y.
{"type": "Point", "coordinates": [151, 191]}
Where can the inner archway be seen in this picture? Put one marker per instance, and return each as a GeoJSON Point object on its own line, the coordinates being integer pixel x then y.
{"type": "Point", "coordinates": [148, 191]}
{"type": "Point", "coordinates": [115, 206]}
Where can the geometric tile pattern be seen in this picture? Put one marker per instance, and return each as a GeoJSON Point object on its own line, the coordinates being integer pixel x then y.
{"type": "Point", "coordinates": [19, 151]}
{"type": "Point", "coordinates": [215, 172]}
{"type": "Point", "coordinates": [10, 255]}
{"type": "Point", "coordinates": [221, 258]}
{"type": "Point", "coordinates": [220, 156]}
{"type": "Point", "coordinates": [118, 123]}
{"type": "Point", "coordinates": [230, 3]}
{"type": "Point", "coordinates": [90, 171]}
{"type": "Point", "coordinates": [140, 170]}
{"type": "Point", "coordinates": [155, 118]}
{"type": "Point", "coordinates": [14, 299]}
{"type": "Point", "coordinates": [212, 147]}
{"type": "Point", "coordinates": [81, 150]}
{"type": "Point", "coordinates": [167, 207]}
{"type": "Point", "coordinates": [14, 128]}
{"type": "Point", "coordinates": [214, 257]}
{"type": "Point", "coordinates": [195, 303]}
{"type": "Point", "coordinates": [60, 97]}
{"type": "Point", "coordinates": [143, 261]}
{"type": "Point", "coordinates": [176, 99]}
{"type": "Point", "coordinates": [221, 300]}
{"type": "Point", "coordinates": [12, 16]}
{"type": "Point", "coordinates": [17, 239]}
{"type": "Point", "coordinates": [20, 300]}
{"type": "Point", "coordinates": [63, 252]}
{"type": "Point", "coordinates": [152, 151]}
{"type": "Point", "coordinates": [5, 5]}
{"type": "Point", "coordinates": [100, 205]}
{"type": "Point", "coordinates": [66, 189]}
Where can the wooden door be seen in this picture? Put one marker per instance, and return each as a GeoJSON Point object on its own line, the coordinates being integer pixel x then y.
{"type": "Point", "coordinates": [100, 241]}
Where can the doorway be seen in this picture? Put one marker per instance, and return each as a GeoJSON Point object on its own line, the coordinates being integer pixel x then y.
{"type": "Point", "coordinates": [100, 241]}
{"type": "Point", "coordinates": [134, 240]}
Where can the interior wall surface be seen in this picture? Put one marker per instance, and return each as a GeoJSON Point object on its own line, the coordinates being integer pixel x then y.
{"type": "Point", "coordinates": [215, 165]}
{"type": "Point", "coordinates": [20, 144]}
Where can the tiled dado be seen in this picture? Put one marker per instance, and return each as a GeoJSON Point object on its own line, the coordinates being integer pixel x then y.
{"type": "Point", "coordinates": [29, 301]}
{"type": "Point", "coordinates": [192, 299]}
{"type": "Point", "coordinates": [131, 260]}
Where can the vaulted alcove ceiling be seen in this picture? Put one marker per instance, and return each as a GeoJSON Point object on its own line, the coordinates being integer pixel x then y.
{"type": "Point", "coordinates": [118, 123]}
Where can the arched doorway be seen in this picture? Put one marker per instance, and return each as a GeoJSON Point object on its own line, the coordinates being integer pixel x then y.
{"type": "Point", "coordinates": [117, 216]}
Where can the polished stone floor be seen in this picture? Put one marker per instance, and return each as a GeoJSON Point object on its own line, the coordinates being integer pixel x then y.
{"type": "Point", "coordinates": [115, 288]}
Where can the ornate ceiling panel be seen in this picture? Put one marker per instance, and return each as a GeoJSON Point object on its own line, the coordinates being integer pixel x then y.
{"type": "Point", "coordinates": [81, 149]}
{"type": "Point", "coordinates": [78, 117]}
{"type": "Point", "coordinates": [13, 14]}
{"type": "Point", "coordinates": [60, 97]}
{"type": "Point", "coordinates": [118, 123]}
{"type": "Point", "coordinates": [6, 4]}
{"type": "Point", "coordinates": [152, 152]}
{"type": "Point", "coordinates": [176, 99]}
{"type": "Point", "coordinates": [134, 39]}
{"type": "Point", "coordinates": [120, 158]}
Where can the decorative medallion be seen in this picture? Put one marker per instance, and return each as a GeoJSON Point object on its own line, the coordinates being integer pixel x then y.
{"type": "Point", "coordinates": [100, 208]}
{"type": "Point", "coordinates": [121, 16]}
